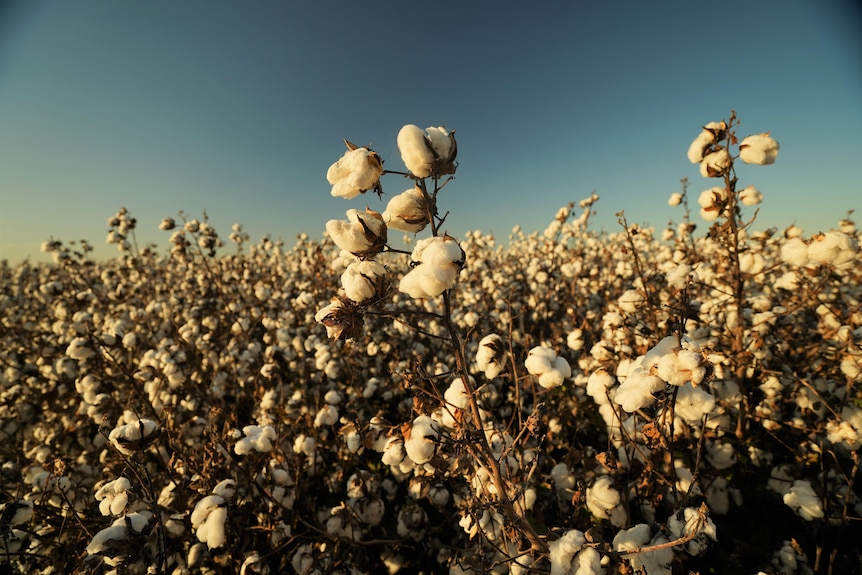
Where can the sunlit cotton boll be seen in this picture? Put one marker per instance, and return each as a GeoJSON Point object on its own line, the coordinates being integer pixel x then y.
{"type": "Point", "coordinates": [803, 500]}
{"type": "Point", "coordinates": [421, 441]}
{"type": "Point", "coordinates": [604, 501]}
{"type": "Point", "coordinates": [256, 438]}
{"type": "Point", "coordinates": [710, 134]}
{"type": "Point", "coordinates": [569, 555]}
{"type": "Point", "coordinates": [835, 248]}
{"type": "Point", "coordinates": [426, 152]}
{"type": "Point", "coordinates": [408, 211]}
{"type": "Point", "coordinates": [491, 356]}
{"type": "Point", "coordinates": [551, 369]}
{"type": "Point", "coordinates": [437, 263]}
{"type": "Point", "coordinates": [690, 522]}
{"type": "Point", "coordinates": [362, 234]}
{"type": "Point", "coordinates": [711, 203]}
{"type": "Point", "coordinates": [362, 280]}
{"type": "Point", "coordinates": [654, 562]}
{"type": "Point", "coordinates": [134, 436]}
{"type": "Point", "coordinates": [758, 149]}
{"type": "Point", "coordinates": [715, 164]}
{"type": "Point", "coordinates": [358, 170]}
{"type": "Point", "coordinates": [692, 403]}
{"type": "Point", "coordinates": [113, 496]}
{"type": "Point", "coordinates": [794, 252]}
{"type": "Point", "coordinates": [208, 520]}
{"type": "Point", "coordinates": [750, 196]}
{"type": "Point", "coordinates": [675, 199]}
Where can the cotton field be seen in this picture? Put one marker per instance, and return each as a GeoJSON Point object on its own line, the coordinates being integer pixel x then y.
{"type": "Point", "coordinates": [653, 401]}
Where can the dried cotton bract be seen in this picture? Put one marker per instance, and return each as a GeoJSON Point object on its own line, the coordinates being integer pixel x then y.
{"type": "Point", "coordinates": [356, 172]}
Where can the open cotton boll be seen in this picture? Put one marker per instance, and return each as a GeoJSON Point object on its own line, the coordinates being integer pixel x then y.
{"type": "Point", "coordinates": [415, 150]}
{"type": "Point", "coordinates": [803, 500]}
{"type": "Point", "coordinates": [570, 556]}
{"type": "Point", "coordinates": [551, 369]}
{"type": "Point", "coordinates": [794, 252]}
{"type": "Point", "coordinates": [357, 171]}
{"type": "Point", "coordinates": [637, 389]}
{"type": "Point", "coordinates": [848, 431]}
{"type": "Point", "coordinates": [563, 478]}
{"type": "Point", "coordinates": [491, 355]}
{"type": "Point", "coordinates": [604, 501]}
{"type": "Point", "coordinates": [437, 262]}
{"type": "Point", "coordinates": [362, 235]}
{"type": "Point", "coordinates": [653, 562]}
{"type": "Point", "coordinates": [692, 403]}
{"type": "Point", "coordinates": [114, 496]}
{"type": "Point", "coordinates": [420, 441]}
{"type": "Point", "coordinates": [711, 203]}
{"type": "Point", "coordinates": [363, 280]}
{"type": "Point", "coordinates": [134, 436]}
{"type": "Point", "coordinates": [835, 248]}
{"type": "Point", "coordinates": [598, 384]}
{"type": "Point", "coordinates": [691, 521]}
{"type": "Point", "coordinates": [715, 164]}
{"type": "Point", "coordinates": [256, 438]}
{"type": "Point", "coordinates": [750, 196]}
{"type": "Point", "coordinates": [408, 211]}
{"type": "Point", "coordinates": [758, 149]}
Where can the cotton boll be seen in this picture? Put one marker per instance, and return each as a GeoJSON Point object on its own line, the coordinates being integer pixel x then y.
{"type": "Point", "coordinates": [208, 520]}
{"type": "Point", "coordinates": [415, 151]}
{"type": "Point", "coordinates": [114, 496]}
{"type": "Point", "coordinates": [421, 441]}
{"type": "Point", "coordinates": [833, 248]}
{"type": "Point", "coordinates": [490, 357]}
{"type": "Point", "coordinates": [562, 477]}
{"type": "Point", "coordinates": [692, 403]}
{"type": "Point", "coordinates": [676, 198]}
{"type": "Point", "coordinates": [636, 391]}
{"type": "Point", "coordinates": [803, 500]}
{"type": "Point", "coordinates": [570, 556]}
{"type": "Point", "coordinates": [654, 562]}
{"type": "Point", "coordinates": [720, 455]}
{"type": "Point", "coordinates": [357, 171]}
{"type": "Point", "coordinates": [256, 438]}
{"type": "Point", "coordinates": [551, 369]}
{"type": "Point", "coordinates": [751, 263]}
{"type": "Point", "coordinates": [437, 261]}
{"type": "Point", "coordinates": [362, 234]}
{"type": "Point", "coordinates": [715, 164]}
{"type": "Point", "coordinates": [691, 521]}
{"type": "Point", "coordinates": [758, 149]}
{"type": "Point", "coordinates": [750, 196]}
{"type": "Point", "coordinates": [712, 203]}
{"type": "Point", "coordinates": [326, 415]}
{"type": "Point", "coordinates": [363, 280]}
{"type": "Point", "coordinates": [604, 501]}
{"type": "Point", "coordinates": [408, 211]}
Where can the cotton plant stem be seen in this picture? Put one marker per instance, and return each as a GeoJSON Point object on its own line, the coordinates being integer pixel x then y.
{"type": "Point", "coordinates": [490, 462]}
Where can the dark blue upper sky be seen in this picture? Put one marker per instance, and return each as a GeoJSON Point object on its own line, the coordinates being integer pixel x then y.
{"type": "Point", "coordinates": [240, 107]}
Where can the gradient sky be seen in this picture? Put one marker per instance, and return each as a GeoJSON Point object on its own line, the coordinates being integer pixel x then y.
{"type": "Point", "coordinates": [239, 108]}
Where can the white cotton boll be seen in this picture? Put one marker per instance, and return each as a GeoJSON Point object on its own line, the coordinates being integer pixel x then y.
{"type": "Point", "coordinates": [630, 301]}
{"type": "Point", "coordinates": [439, 260]}
{"type": "Point", "coordinates": [711, 202]}
{"type": "Point", "coordinates": [456, 395]}
{"type": "Point", "coordinates": [134, 436]}
{"type": "Point", "coordinates": [715, 164]}
{"type": "Point", "coordinates": [692, 403]}
{"type": "Point", "coordinates": [575, 339]}
{"type": "Point", "coordinates": [833, 248]}
{"type": "Point", "coordinates": [362, 233]}
{"type": "Point", "coordinates": [441, 141]}
{"type": "Point", "coordinates": [690, 522]}
{"type": "Point", "coordinates": [407, 211]}
{"type": "Point", "coordinates": [551, 369]}
{"type": "Point", "coordinates": [794, 251]}
{"type": "Point", "coordinates": [803, 500]}
{"type": "Point", "coordinates": [788, 281]}
{"type": "Point", "coordinates": [751, 263]}
{"type": "Point", "coordinates": [720, 455]}
{"type": "Point", "coordinates": [415, 150]}
{"type": "Point", "coordinates": [636, 391]}
{"type": "Point", "coordinates": [326, 415]}
{"type": "Point", "coordinates": [256, 438]}
{"type": "Point", "coordinates": [491, 355]}
{"type": "Point", "coordinates": [394, 453]}
{"type": "Point", "coordinates": [421, 444]}
{"type": "Point", "coordinates": [676, 198]}
{"type": "Point", "coordinates": [79, 348]}
{"type": "Point", "coordinates": [704, 140]}
{"type": "Point", "coordinates": [652, 563]}
{"type": "Point", "coordinates": [362, 280]}
{"type": "Point", "coordinates": [562, 477]}
{"type": "Point", "coordinates": [569, 556]}
{"type": "Point", "coordinates": [114, 496]}
{"type": "Point", "coordinates": [848, 431]}
{"type": "Point", "coordinates": [598, 384]}
{"type": "Point", "coordinates": [750, 196]}
{"type": "Point", "coordinates": [758, 149]}
{"type": "Point", "coordinates": [208, 519]}
{"type": "Point", "coordinates": [677, 277]}
{"type": "Point", "coordinates": [604, 501]}
{"type": "Point", "coordinates": [717, 496]}
{"type": "Point", "coordinates": [355, 172]}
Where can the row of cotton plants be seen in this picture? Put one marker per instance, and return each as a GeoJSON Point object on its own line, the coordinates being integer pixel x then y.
{"type": "Point", "coordinates": [645, 401]}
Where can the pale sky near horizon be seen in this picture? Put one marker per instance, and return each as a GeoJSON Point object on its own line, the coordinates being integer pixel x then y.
{"type": "Point", "coordinates": [239, 108]}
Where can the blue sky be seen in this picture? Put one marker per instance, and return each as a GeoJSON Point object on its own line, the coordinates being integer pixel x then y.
{"type": "Point", "coordinates": [238, 108]}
